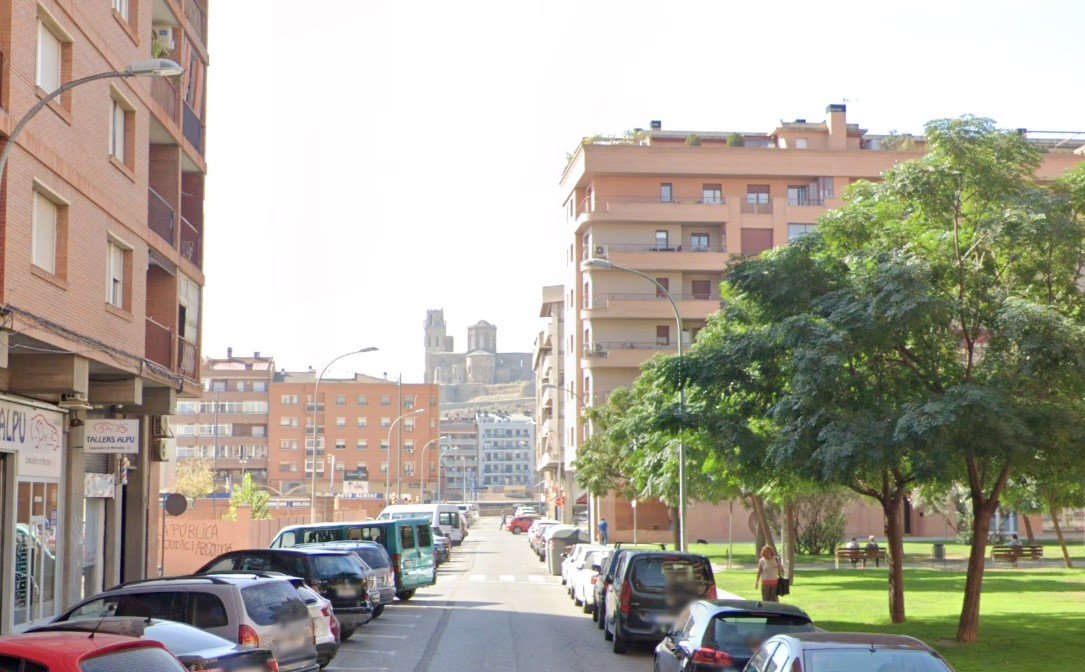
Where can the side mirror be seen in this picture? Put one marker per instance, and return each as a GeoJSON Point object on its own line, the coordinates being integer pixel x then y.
{"type": "Point", "coordinates": [596, 568]}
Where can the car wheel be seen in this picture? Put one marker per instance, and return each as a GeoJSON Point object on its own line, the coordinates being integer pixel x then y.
{"type": "Point", "coordinates": [606, 632]}
{"type": "Point", "coordinates": [346, 634]}
{"type": "Point", "coordinates": [516, 530]}
{"type": "Point", "coordinates": [378, 611]}
{"type": "Point", "coordinates": [588, 609]}
{"type": "Point", "coordinates": [577, 601]}
{"type": "Point", "coordinates": [405, 595]}
{"type": "Point", "coordinates": [619, 643]}
{"type": "Point", "coordinates": [594, 614]}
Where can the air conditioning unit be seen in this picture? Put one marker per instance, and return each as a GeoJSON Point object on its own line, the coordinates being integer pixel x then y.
{"type": "Point", "coordinates": [600, 252]}
{"type": "Point", "coordinates": [160, 427]}
{"type": "Point", "coordinates": [164, 35]}
{"type": "Point", "coordinates": [161, 449]}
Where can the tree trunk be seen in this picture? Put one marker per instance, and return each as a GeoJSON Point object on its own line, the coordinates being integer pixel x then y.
{"type": "Point", "coordinates": [676, 529]}
{"type": "Point", "coordinates": [758, 504]}
{"type": "Point", "coordinates": [1058, 533]}
{"type": "Point", "coordinates": [969, 624]}
{"type": "Point", "coordinates": [1028, 528]}
{"type": "Point", "coordinates": [894, 542]}
{"type": "Point", "coordinates": [790, 528]}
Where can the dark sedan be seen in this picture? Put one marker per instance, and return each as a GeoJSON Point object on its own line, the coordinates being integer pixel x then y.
{"type": "Point", "coordinates": [196, 649]}
{"type": "Point", "coordinates": [722, 635]}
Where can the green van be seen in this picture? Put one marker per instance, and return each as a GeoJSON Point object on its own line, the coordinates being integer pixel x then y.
{"type": "Point", "coordinates": [408, 541]}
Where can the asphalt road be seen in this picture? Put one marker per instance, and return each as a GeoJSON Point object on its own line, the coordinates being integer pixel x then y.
{"type": "Point", "coordinates": [493, 608]}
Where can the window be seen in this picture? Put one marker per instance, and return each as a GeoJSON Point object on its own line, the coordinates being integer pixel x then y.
{"type": "Point", "coordinates": [386, 400]}
{"type": "Point", "coordinates": [288, 399]}
{"type": "Point", "coordinates": [48, 235]}
{"type": "Point", "coordinates": [288, 444]}
{"type": "Point", "coordinates": [384, 444]}
{"type": "Point", "coordinates": [122, 118]}
{"type": "Point", "coordinates": [702, 289]}
{"type": "Point", "coordinates": [757, 193]}
{"type": "Point", "coordinates": [259, 430]}
{"type": "Point", "coordinates": [363, 421]}
{"type": "Point", "coordinates": [408, 467]}
{"type": "Point", "coordinates": [259, 386]}
{"type": "Point", "coordinates": [218, 385]}
{"type": "Point", "coordinates": [340, 444]}
{"type": "Point", "coordinates": [50, 59]}
{"type": "Point", "coordinates": [363, 400]}
{"type": "Point", "coordinates": [208, 611]}
{"type": "Point", "coordinates": [118, 285]}
{"type": "Point", "coordinates": [340, 422]}
{"type": "Point", "coordinates": [408, 446]}
{"type": "Point", "coordinates": [666, 193]}
{"type": "Point", "coordinates": [408, 402]}
{"type": "Point", "coordinates": [384, 467]}
{"type": "Point", "coordinates": [756, 241]}
{"type": "Point", "coordinates": [661, 240]}
{"type": "Point", "coordinates": [340, 400]}
{"type": "Point", "coordinates": [698, 242]}
{"type": "Point", "coordinates": [188, 296]}
{"type": "Point", "coordinates": [319, 466]}
{"type": "Point", "coordinates": [239, 386]}
{"type": "Point", "coordinates": [408, 424]}
{"type": "Point", "coordinates": [666, 285]}
{"type": "Point", "coordinates": [386, 422]}
{"type": "Point", "coordinates": [121, 7]}
{"type": "Point", "coordinates": [795, 231]}
{"type": "Point", "coordinates": [712, 194]}
{"type": "Point", "coordinates": [824, 187]}
{"type": "Point", "coordinates": [362, 445]}
{"type": "Point", "coordinates": [663, 335]}
{"type": "Point", "coordinates": [406, 537]}
{"type": "Point", "coordinates": [800, 143]}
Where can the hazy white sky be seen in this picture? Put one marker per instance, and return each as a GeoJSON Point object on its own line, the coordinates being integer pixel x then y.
{"type": "Point", "coordinates": [372, 159]}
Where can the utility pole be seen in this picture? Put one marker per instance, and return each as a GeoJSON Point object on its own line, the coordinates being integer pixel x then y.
{"type": "Point", "coordinates": [399, 441]}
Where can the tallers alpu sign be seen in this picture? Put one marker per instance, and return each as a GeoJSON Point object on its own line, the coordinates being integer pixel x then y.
{"type": "Point", "coordinates": [111, 436]}
{"type": "Point", "coordinates": [35, 434]}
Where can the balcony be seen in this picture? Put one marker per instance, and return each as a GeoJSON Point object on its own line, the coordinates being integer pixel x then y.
{"type": "Point", "coordinates": [623, 354]}
{"type": "Point", "coordinates": [197, 18]}
{"type": "Point", "coordinates": [754, 208]}
{"type": "Point", "coordinates": [193, 129]}
{"type": "Point", "coordinates": [159, 344]}
{"type": "Point", "coordinates": [687, 258]}
{"type": "Point", "coordinates": [653, 209]}
{"type": "Point", "coordinates": [191, 243]}
{"type": "Point", "coordinates": [167, 94]}
{"type": "Point", "coordinates": [652, 306]}
{"type": "Point", "coordinates": [160, 216]}
{"type": "Point", "coordinates": [187, 359]}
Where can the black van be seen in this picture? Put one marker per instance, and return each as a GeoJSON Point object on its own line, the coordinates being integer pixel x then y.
{"type": "Point", "coordinates": [648, 590]}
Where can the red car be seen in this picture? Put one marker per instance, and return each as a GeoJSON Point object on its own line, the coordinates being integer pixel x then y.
{"type": "Point", "coordinates": [76, 652]}
{"type": "Point", "coordinates": [520, 524]}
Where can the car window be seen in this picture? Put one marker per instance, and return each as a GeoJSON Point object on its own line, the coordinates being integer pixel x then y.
{"type": "Point", "coordinates": [760, 660]}
{"type": "Point", "coordinates": [288, 563]}
{"type": "Point", "coordinates": [273, 602]}
{"type": "Point", "coordinates": [684, 623]}
{"type": "Point", "coordinates": [208, 611]}
{"type": "Point", "coordinates": [449, 518]}
{"type": "Point", "coordinates": [224, 565]}
{"type": "Point", "coordinates": [742, 635]}
{"type": "Point", "coordinates": [406, 537]}
{"type": "Point", "coordinates": [656, 574]}
{"type": "Point", "coordinates": [12, 664]}
{"type": "Point", "coordinates": [255, 562]}
{"type": "Point", "coordinates": [425, 536]}
{"type": "Point", "coordinates": [878, 660]}
{"type": "Point", "coordinates": [778, 662]}
{"type": "Point", "coordinates": [285, 540]}
{"type": "Point", "coordinates": [371, 534]}
{"type": "Point", "coordinates": [165, 605]}
{"type": "Point", "coordinates": [181, 641]}
{"type": "Point", "coordinates": [99, 608]}
{"type": "Point", "coordinates": [375, 557]}
{"type": "Point", "coordinates": [332, 566]}
{"type": "Point", "coordinates": [144, 659]}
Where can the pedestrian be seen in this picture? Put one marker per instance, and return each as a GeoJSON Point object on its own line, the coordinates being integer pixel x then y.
{"type": "Point", "coordinates": [768, 574]}
{"type": "Point", "coordinates": [1015, 549]}
{"type": "Point", "coordinates": [853, 545]}
{"type": "Point", "coordinates": [603, 531]}
{"type": "Point", "coordinates": [871, 551]}
{"type": "Point", "coordinates": [504, 518]}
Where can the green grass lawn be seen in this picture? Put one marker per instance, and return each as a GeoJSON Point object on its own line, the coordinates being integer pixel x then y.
{"type": "Point", "coordinates": [1032, 619]}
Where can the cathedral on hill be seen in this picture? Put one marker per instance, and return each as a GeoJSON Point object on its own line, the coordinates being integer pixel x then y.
{"type": "Point", "coordinates": [481, 364]}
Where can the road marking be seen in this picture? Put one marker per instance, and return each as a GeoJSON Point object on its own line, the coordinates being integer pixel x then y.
{"type": "Point", "coordinates": [396, 615]}
{"type": "Point", "coordinates": [535, 578]}
{"type": "Point", "coordinates": [477, 577]}
{"type": "Point", "coordinates": [506, 577]}
{"type": "Point", "coordinates": [386, 637]}
{"type": "Point", "coordinates": [358, 669]}
{"type": "Point", "coordinates": [443, 579]}
{"type": "Point", "coordinates": [393, 625]}
{"type": "Point", "coordinates": [385, 653]}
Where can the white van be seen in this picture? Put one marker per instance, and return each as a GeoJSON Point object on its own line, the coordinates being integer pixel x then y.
{"type": "Point", "coordinates": [445, 517]}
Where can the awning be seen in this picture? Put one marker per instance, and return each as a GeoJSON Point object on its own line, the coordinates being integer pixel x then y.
{"type": "Point", "coordinates": [155, 258]}
{"type": "Point", "coordinates": [582, 499]}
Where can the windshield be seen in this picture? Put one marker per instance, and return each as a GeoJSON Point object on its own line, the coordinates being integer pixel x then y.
{"type": "Point", "coordinates": [273, 602]}
{"type": "Point", "coordinates": [741, 636]}
{"type": "Point", "coordinates": [374, 556]}
{"type": "Point", "coordinates": [335, 566]}
{"type": "Point", "coordinates": [659, 574]}
{"type": "Point", "coordinates": [878, 660]}
{"type": "Point", "coordinates": [403, 515]}
{"type": "Point", "coordinates": [133, 660]}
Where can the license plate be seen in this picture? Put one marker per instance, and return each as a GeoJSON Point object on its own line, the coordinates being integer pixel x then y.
{"type": "Point", "coordinates": [346, 591]}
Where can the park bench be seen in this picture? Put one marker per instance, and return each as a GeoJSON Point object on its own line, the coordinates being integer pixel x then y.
{"type": "Point", "coordinates": [858, 555]}
{"type": "Point", "coordinates": [1011, 554]}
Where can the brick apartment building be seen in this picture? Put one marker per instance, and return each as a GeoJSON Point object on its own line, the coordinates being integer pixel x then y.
{"type": "Point", "coordinates": [228, 424]}
{"type": "Point", "coordinates": [101, 218]}
{"type": "Point", "coordinates": [677, 209]}
{"type": "Point", "coordinates": [357, 432]}
{"type": "Point", "coordinates": [553, 466]}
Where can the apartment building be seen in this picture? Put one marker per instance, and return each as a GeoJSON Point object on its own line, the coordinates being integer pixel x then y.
{"type": "Point", "coordinates": [228, 424]}
{"type": "Point", "coordinates": [506, 446]}
{"type": "Point", "coordinates": [677, 205]}
{"type": "Point", "coordinates": [459, 456]}
{"type": "Point", "coordinates": [372, 436]}
{"type": "Point", "coordinates": [553, 466]}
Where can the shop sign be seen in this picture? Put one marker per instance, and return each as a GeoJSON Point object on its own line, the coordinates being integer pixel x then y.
{"type": "Point", "coordinates": [111, 436]}
{"type": "Point", "coordinates": [36, 434]}
{"type": "Point", "coordinates": [355, 488]}
{"type": "Point", "coordinates": [99, 485]}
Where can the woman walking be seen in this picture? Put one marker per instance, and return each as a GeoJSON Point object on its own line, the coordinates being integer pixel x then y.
{"type": "Point", "coordinates": [768, 574]}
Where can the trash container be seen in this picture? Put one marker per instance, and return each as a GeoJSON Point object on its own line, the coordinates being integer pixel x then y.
{"type": "Point", "coordinates": [939, 551]}
{"type": "Point", "coordinates": [558, 538]}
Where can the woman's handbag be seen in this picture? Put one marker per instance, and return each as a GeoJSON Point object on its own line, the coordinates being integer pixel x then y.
{"type": "Point", "coordinates": [783, 586]}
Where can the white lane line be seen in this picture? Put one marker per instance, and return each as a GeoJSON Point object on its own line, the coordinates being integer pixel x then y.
{"type": "Point", "coordinates": [385, 636]}
{"type": "Point", "coordinates": [384, 653]}
{"type": "Point", "coordinates": [535, 578]}
{"type": "Point", "coordinates": [395, 615]}
{"type": "Point", "coordinates": [506, 577]}
{"type": "Point", "coordinates": [359, 669]}
{"type": "Point", "coordinates": [393, 625]}
{"type": "Point", "coordinates": [477, 577]}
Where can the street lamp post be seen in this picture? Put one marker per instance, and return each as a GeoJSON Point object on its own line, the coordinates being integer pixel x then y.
{"type": "Point", "coordinates": [604, 264]}
{"type": "Point", "coordinates": [422, 460]}
{"type": "Point", "coordinates": [388, 471]}
{"type": "Point", "coordinates": [441, 454]}
{"type": "Point", "coordinates": [316, 388]}
{"type": "Point", "coordinates": [159, 67]}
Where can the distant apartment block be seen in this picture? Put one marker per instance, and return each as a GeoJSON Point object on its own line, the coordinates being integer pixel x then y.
{"type": "Point", "coordinates": [552, 465]}
{"type": "Point", "coordinates": [506, 451]}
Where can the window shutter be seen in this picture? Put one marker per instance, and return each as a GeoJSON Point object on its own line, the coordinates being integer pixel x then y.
{"type": "Point", "coordinates": [45, 234]}
{"type": "Point", "coordinates": [116, 276]}
{"type": "Point", "coordinates": [48, 59]}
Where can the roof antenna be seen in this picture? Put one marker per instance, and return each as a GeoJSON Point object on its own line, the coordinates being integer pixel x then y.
{"type": "Point", "coordinates": [96, 626]}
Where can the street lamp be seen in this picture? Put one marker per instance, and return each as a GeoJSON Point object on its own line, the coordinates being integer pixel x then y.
{"type": "Point", "coordinates": [440, 460]}
{"type": "Point", "coordinates": [316, 388]}
{"type": "Point", "coordinates": [604, 264]}
{"type": "Point", "coordinates": [158, 67]}
{"type": "Point", "coordinates": [388, 471]}
{"type": "Point", "coordinates": [422, 460]}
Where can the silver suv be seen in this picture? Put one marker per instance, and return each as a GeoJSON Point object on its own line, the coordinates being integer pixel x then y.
{"type": "Point", "coordinates": [245, 608]}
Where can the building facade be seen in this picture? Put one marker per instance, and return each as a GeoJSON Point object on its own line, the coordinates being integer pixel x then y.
{"type": "Point", "coordinates": [100, 309]}
{"type": "Point", "coordinates": [481, 364]}
{"type": "Point", "coordinates": [459, 457]}
{"type": "Point", "coordinates": [372, 436]}
{"type": "Point", "coordinates": [506, 445]}
{"type": "Point", "coordinates": [228, 425]}
{"type": "Point", "coordinates": [678, 211]}
{"type": "Point", "coordinates": [553, 465]}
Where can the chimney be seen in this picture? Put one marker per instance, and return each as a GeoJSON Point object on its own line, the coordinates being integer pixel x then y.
{"type": "Point", "coordinates": [657, 125]}
{"type": "Point", "coordinates": [838, 126]}
{"type": "Point", "coordinates": [256, 355]}
{"type": "Point", "coordinates": [229, 353]}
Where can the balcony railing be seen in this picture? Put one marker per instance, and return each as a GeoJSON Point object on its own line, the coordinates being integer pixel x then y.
{"type": "Point", "coordinates": [160, 216]}
{"type": "Point", "coordinates": [190, 243]}
{"type": "Point", "coordinates": [193, 129]}
{"type": "Point", "coordinates": [600, 349]}
{"type": "Point", "coordinates": [598, 203]}
{"type": "Point", "coordinates": [196, 16]}
{"type": "Point", "coordinates": [751, 208]}
{"type": "Point", "coordinates": [187, 361]}
{"type": "Point", "coordinates": [601, 251]}
{"type": "Point", "coordinates": [600, 300]}
{"type": "Point", "coordinates": [805, 200]}
{"type": "Point", "coordinates": [168, 95]}
{"type": "Point", "coordinates": [158, 344]}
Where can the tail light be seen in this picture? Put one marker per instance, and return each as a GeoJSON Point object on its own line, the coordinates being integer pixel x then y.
{"type": "Point", "coordinates": [312, 626]}
{"type": "Point", "coordinates": [272, 665]}
{"type": "Point", "coordinates": [713, 657]}
{"type": "Point", "coordinates": [246, 636]}
{"type": "Point", "coordinates": [594, 579]}
{"type": "Point", "coordinates": [796, 666]}
{"type": "Point", "coordinates": [395, 564]}
{"type": "Point", "coordinates": [710, 594]}
{"type": "Point", "coordinates": [626, 602]}
{"type": "Point", "coordinates": [334, 627]}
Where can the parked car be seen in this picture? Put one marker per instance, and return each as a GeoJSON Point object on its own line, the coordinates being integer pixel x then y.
{"type": "Point", "coordinates": [331, 573]}
{"type": "Point", "coordinates": [408, 541]}
{"type": "Point", "coordinates": [470, 512]}
{"type": "Point", "coordinates": [574, 557]}
{"type": "Point", "coordinates": [606, 577]}
{"type": "Point", "coordinates": [377, 566]}
{"type": "Point", "coordinates": [76, 652]}
{"type": "Point", "coordinates": [534, 536]}
{"type": "Point", "coordinates": [442, 547]}
{"type": "Point", "coordinates": [585, 577]}
{"type": "Point", "coordinates": [326, 629]}
{"type": "Point", "coordinates": [725, 634]}
{"type": "Point", "coordinates": [444, 516]}
{"type": "Point", "coordinates": [649, 589]}
{"type": "Point", "coordinates": [852, 651]}
{"type": "Point", "coordinates": [197, 650]}
{"type": "Point", "coordinates": [247, 609]}
{"type": "Point", "coordinates": [521, 524]}
{"type": "Point", "coordinates": [525, 510]}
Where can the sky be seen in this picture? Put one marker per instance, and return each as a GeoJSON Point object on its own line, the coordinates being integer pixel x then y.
{"type": "Point", "coordinates": [369, 159]}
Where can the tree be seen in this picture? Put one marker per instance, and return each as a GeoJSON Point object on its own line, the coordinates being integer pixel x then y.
{"type": "Point", "coordinates": [250, 495]}
{"type": "Point", "coordinates": [194, 478]}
